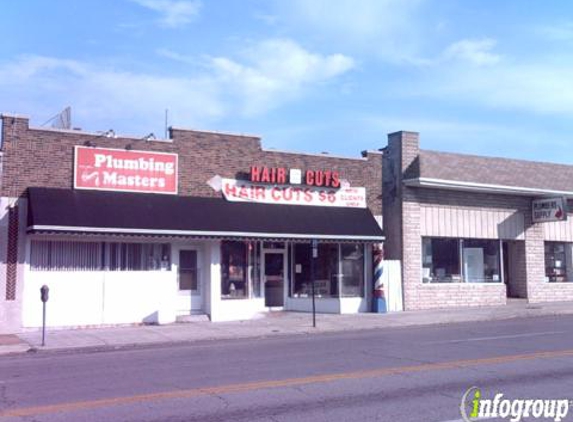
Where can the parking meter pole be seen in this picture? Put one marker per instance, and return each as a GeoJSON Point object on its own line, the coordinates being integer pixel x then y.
{"type": "Point", "coordinates": [44, 295]}
{"type": "Point", "coordinates": [43, 324]}
{"type": "Point", "coordinates": [314, 255]}
{"type": "Point", "coordinates": [313, 293]}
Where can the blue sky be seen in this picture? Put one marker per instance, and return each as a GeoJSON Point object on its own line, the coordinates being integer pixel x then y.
{"type": "Point", "coordinates": [475, 76]}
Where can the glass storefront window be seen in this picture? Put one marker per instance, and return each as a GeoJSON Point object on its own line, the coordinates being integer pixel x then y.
{"type": "Point", "coordinates": [481, 261]}
{"type": "Point", "coordinates": [301, 283]}
{"type": "Point", "coordinates": [352, 263]}
{"type": "Point", "coordinates": [240, 267]}
{"type": "Point", "coordinates": [255, 268]}
{"type": "Point", "coordinates": [441, 260]}
{"type": "Point", "coordinates": [234, 270]}
{"type": "Point", "coordinates": [326, 272]}
{"type": "Point", "coordinates": [558, 265]}
{"type": "Point", "coordinates": [338, 271]}
{"type": "Point", "coordinates": [446, 260]}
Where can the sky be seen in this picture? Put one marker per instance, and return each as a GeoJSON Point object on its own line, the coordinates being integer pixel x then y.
{"type": "Point", "coordinates": [483, 77]}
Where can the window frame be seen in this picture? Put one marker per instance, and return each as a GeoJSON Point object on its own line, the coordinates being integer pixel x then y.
{"type": "Point", "coordinates": [566, 268]}
{"type": "Point", "coordinates": [460, 278]}
{"type": "Point", "coordinates": [339, 272]}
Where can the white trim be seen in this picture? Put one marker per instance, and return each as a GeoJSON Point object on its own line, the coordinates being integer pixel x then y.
{"type": "Point", "coordinates": [482, 187]}
{"type": "Point", "coordinates": [204, 233]}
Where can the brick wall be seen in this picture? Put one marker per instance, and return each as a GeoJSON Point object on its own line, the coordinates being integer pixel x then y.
{"type": "Point", "coordinates": [402, 217]}
{"type": "Point", "coordinates": [427, 296]}
{"type": "Point", "coordinates": [43, 157]}
{"type": "Point", "coordinates": [539, 290]}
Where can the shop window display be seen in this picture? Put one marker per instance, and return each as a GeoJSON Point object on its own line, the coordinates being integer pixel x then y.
{"type": "Point", "coordinates": [451, 260]}
{"type": "Point", "coordinates": [240, 270]}
{"type": "Point", "coordinates": [558, 265]}
{"type": "Point", "coordinates": [338, 271]}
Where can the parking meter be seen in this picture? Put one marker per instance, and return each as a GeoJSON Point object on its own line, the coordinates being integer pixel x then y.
{"type": "Point", "coordinates": [44, 293]}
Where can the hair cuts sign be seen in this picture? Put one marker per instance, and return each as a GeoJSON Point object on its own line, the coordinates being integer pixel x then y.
{"type": "Point", "coordinates": [127, 171]}
{"type": "Point", "coordinates": [549, 209]}
{"type": "Point", "coordinates": [244, 191]}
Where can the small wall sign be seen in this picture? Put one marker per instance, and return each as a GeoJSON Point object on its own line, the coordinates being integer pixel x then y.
{"type": "Point", "coordinates": [549, 209]}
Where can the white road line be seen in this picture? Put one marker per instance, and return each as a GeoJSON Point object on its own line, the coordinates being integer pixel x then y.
{"type": "Point", "coordinates": [544, 333]}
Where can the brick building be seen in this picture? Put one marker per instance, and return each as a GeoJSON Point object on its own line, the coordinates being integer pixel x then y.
{"type": "Point", "coordinates": [463, 227]}
{"type": "Point", "coordinates": [129, 230]}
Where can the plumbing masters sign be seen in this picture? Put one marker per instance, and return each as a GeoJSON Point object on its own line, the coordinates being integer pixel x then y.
{"type": "Point", "coordinates": [549, 209]}
{"type": "Point", "coordinates": [127, 171]}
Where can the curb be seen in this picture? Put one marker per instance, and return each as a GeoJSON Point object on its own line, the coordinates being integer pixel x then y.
{"type": "Point", "coordinates": [273, 332]}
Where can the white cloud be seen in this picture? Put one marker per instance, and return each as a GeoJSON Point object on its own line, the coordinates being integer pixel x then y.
{"type": "Point", "coordinates": [174, 13]}
{"type": "Point", "coordinates": [268, 75]}
{"type": "Point", "coordinates": [277, 70]}
{"type": "Point", "coordinates": [475, 51]}
{"type": "Point", "coordinates": [131, 100]}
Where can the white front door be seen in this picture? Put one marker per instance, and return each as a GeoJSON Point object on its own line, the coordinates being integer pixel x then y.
{"type": "Point", "coordinates": [189, 282]}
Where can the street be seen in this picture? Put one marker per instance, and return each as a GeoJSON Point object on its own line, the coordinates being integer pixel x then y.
{"type": "Point", "coordinates": [395, 374]}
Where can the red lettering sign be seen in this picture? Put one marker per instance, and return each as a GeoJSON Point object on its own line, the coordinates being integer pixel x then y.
{"type": "Point", "coordinates": [278, 176]}
{"type": "Point", "coordinates": [128, 171]}
{"type": "Point", "coordinates": [243, 191]}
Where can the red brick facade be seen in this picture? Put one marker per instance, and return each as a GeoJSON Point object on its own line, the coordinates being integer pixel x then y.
{"type": "Point", "coordinates": [44, 157]}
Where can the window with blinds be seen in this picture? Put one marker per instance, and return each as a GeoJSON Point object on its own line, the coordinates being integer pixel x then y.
{"type": "Point", "coordinates": [57, 255]}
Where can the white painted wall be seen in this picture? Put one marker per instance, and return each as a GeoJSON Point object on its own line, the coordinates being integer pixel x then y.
{"type": "Point", "coordinates": [76, 299]}
{"type": "Point", "coordinates": [139, 296]}
{"type": "Point", "coordinates": [238, 309]}
{"type": "Point", "coordinates": [84, 298]}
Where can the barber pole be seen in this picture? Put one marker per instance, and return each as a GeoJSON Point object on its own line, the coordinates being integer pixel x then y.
{"type": "Point", "coordinates": [379, 297]}
{"type": "Point", "coordinates": [378, 266]}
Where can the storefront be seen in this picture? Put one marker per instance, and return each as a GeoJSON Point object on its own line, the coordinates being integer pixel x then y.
{"type": "Point", "coordinates": [126, 230]}
{"type": "Point", "coordinates": [475, 231]}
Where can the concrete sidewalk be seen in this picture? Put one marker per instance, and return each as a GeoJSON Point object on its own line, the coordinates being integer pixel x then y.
{"type": "Point", "coordinates": [270, 324]}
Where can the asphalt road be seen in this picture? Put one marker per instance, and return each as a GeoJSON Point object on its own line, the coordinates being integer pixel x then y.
{"type": "Point", "coordinates": [406, 374]}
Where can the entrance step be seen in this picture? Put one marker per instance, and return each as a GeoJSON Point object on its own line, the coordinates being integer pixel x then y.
{"type": "Point", "coordinates": [192, 318]}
